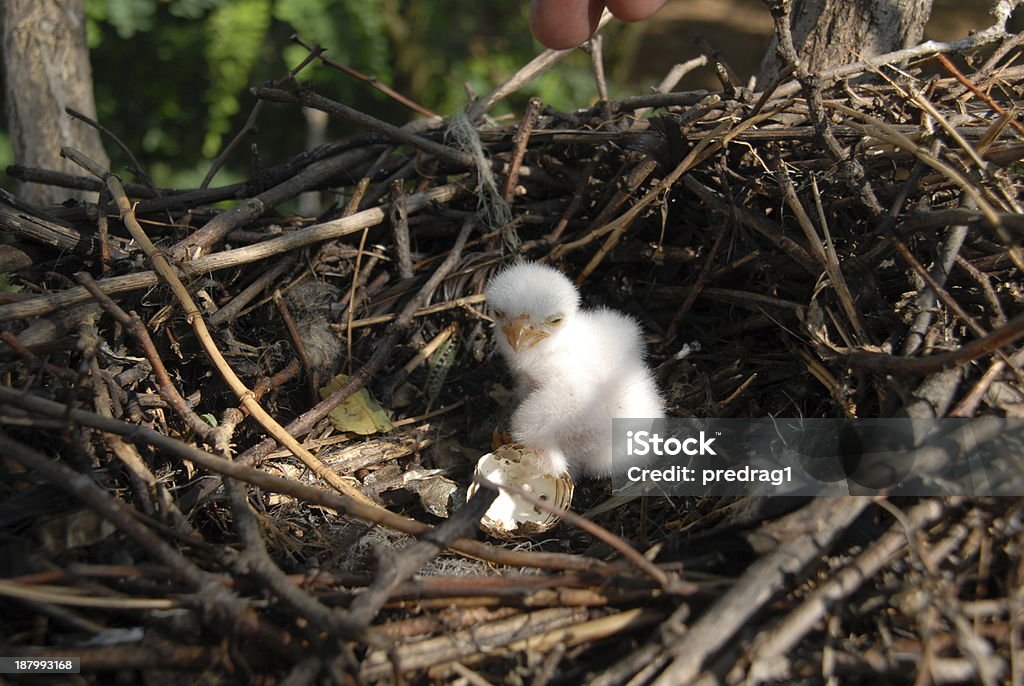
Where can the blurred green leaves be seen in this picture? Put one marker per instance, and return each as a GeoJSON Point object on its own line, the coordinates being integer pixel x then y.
{"type": "Point", "coordinates": [171, 76]}
{"type": "Point", "coordinates": [235, 32]}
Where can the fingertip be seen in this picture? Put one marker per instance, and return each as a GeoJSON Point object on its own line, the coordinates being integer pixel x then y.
{"type": "Point", "coordinates": [563, 24]}
{"type": "Point", "coordinates": [634, 10]}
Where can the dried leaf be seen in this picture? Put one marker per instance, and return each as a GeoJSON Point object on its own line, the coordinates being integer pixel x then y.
{"type": "Point", "coordinates": [359, 413]}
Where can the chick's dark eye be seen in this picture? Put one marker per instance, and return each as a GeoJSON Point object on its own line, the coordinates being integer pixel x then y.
{"type": "Point", "coordinates": [555, 320]}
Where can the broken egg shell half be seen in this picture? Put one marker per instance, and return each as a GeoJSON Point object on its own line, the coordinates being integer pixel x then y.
{"type": "Point", "coordinates": [509, 516]}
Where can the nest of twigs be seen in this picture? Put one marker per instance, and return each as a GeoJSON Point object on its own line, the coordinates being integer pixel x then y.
{"type": "Point", "coordinates": [841, 244]}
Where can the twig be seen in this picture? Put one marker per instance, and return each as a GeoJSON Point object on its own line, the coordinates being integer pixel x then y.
{"type": "Point", "coordinates": [192, 312]}
{"type": "Point", "coordinates": [670, 585]}
{"type": "Point", "coordinates": [771, 648]}
{"type": "Point", "coordinates": [394, 133]}
{"type": "Point", "coordinates": [273, 484]}
{"type": "Point", "coordinates": [250, 122]}
{"type": "Point", "coordinates": [228, 313]}
{"type": "Point", "coordinates": [371, 80]}
{"type": "Point", "coordinates": [520, 140]}
{"type": "Point", "coordinates": [824, 519]}
{"type": "Point", "coordinates": [312, 375]}
{"type": "Point", "coordinates": [382, 352]}
{"type": "Point", "coordinates": [136, 166]}
{"type": "Point", "coordinates": [315, 174]}
{"type": "Point", "coordinates": [227, 258]}
{"type": "Point", "coordinates": [1005, 335]}
{"type": "Point", "coordinates": [407, 562]}
{"type": "Point", "coordinates": [211, 588]}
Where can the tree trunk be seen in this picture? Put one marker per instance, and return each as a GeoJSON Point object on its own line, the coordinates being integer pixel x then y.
{"type": "Point", "coordinates": [46, 64]}
{"type": "Point", "coordinates": [831, 32]}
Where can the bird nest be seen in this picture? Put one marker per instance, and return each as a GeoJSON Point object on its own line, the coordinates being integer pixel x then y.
{"type": "Point", "coordinates": [842, 244]}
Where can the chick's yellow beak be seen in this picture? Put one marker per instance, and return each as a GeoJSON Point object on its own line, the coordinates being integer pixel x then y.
{"type": "Point", "coordinates": [521, 334]}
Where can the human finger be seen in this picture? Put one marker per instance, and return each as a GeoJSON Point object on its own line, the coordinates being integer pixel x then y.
{"type": "Point", "coordinates": [562, 24]}
{"type": "Point", "coordinates": [633, 10]}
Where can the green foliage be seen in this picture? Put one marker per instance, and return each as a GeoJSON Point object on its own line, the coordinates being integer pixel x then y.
{"type": "Point", "coordinates": [171, 75]}
{"type": "Point", "coordinates": [128, 17]}
{"type": "Point", "coordinates": [235, 33]}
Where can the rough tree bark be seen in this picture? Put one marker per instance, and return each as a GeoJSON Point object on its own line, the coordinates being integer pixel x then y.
{"type": "Point", "coordinates": [831, 32]}
{"type": "Point", "coordinates": [46, 65]}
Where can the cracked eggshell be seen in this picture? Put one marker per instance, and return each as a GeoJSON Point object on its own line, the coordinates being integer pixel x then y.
{"type": "Point", "coordinates": [510, 516]}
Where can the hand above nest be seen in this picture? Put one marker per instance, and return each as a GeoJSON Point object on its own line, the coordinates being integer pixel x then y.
{"type": "Point", "coordinates": [575, 369]}
{"type": "Point", "coordinates": [562, 24]}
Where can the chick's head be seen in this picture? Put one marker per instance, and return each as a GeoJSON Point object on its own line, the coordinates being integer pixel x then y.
{"type": "Point", "coordinates": [530, 302]}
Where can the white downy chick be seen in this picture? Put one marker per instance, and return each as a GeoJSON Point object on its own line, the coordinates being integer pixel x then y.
{"type": "Point", "coordinates": [575, 369]}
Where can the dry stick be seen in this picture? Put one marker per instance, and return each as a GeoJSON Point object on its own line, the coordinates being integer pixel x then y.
{"type": "Point", "coordinates": [211, 590]}
{"type": "Point", "coordinates": [136, 166]}
{"type": "Point", "coordinates": [597, 61]}
{"type": "Point", "coordinates": [810, 84]}
{"type": "Point", "coordinates": [895, 364]}
{"type": "Point", "coordinates": [925, 301]}
{"type": "Point", "coordinates": [997, 315]}
{"type": "Point", "coordinates": [936, 287]}
{"type": "Point", "coordinates": [725, 73]}
{"type": "Point", "coordinates": [926, 105]}
{"type": "Point", "coordinates": [195, 318]}
{"type": "Point", "coordinates": [823, 520]}
{"type": "Point", "coordinates": [346, 113]}
{"type": "Point", "coordinates": [50, 233]}
{"type": "Point", "coordinates": [432, 309]}
{"type": "Point", "coordinates": [882, 131]}
{"type": "Point", "coordinates": [768, 229]}
{"type": "Point", "coordinates": [486, 637]}
{"type": "Point", "coordinates": [400, 226]}
{"type": "Point", "coordinates": [233, 416]}
{"type": "Point", "coordinates": [312, 375]}
{"type": "Point", "coordinates": [274, 484]}
{"type": "Point", "coordinates": [381, 354]}
{"type": "Point", "coordinates": [771, 647]}
{"type": "Point", "coordinates": [50, 177]}
{"type": "Point", "coordinates": [669, 584]}
{"type": "Point", "coordinates": [103, 231]}
{"type": "Point", "coordinates": [692, 294]}
{"type": "Point", "coordinates": [371, 80]}
{"type": "Point", "coordinates": [520, 140]}
{"type": "Point", "coordinates": [165, 387]}
{"type": "Point", "coordinates": [968, 406]}
{"type": "Point", "coordinates": [250, 122]}
{"type": "Point", "coordinates": [827, 258]}
{"type": "Point", "coordinates": [528, 72]}
{"type": "Point", "coordinates": [601, 225]}
{"type": "Point", "coordinates": [256, 562]}
{"type": "Point", "coordinates": [142, 478]}
{"type": "Point", "coordinates": [227, 314]}
{"type": "Point", "coordinates": [315, 174]}
{"type": "Point", "coordinates": [985, 97]}
{"type": "Point", "coordinates": [405, 563]}
{"type": "Point", "coordinates": [227, 258]}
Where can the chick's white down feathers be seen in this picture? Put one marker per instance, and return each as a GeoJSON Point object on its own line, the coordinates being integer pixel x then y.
{"type": "Point", "coordinates": [575, 369]}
